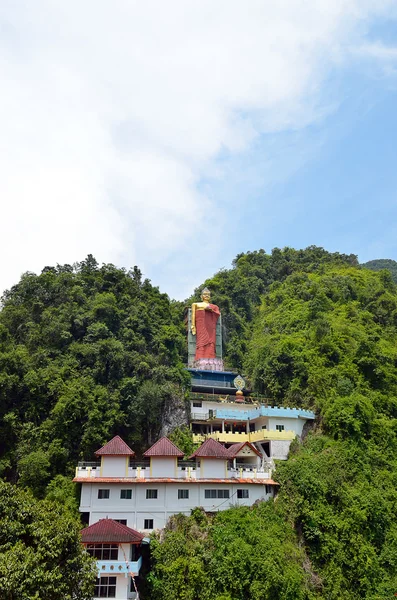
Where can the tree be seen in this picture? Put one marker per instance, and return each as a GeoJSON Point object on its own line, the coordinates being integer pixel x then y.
{"type": "Point", "coordinates": [41, 556]}
{"type": "Point", "coordinates": [238, 554]}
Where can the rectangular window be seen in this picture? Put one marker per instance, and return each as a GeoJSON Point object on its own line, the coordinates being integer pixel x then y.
{"type": "Point", "coordinates": [148, 524]}
{"type": "Point", "coordinates": [242, 494]}
{"type": "Point", "coordinates": [183, 494]}
{"type": "Point", "coordinates": [210, 493]}
{"type": "Point", "coordinates": [135, 552]}
{"type": "Point", "coordinates": [105, 587]}
{"type": "Point", "coordinates": [216, 494]}
{"type": "Point", "coordinates": [223, 493]}
{"type": "Point", "coordinates": [197, 404]}
{"type": "Point", "coordinates": [103, 494]}
{"type": "Point", "coordinates": [268, 489]}
{"type": "Point", "coordinates": [279, 427]}
{"type": "Point", "coordinates": [121, 521]}
{"type": "Point", "coordinates": [151, 494]}
{"type": "Point", "coordinates": [103, 551]}
{"type": "Point", "coordinates": [126, 494]}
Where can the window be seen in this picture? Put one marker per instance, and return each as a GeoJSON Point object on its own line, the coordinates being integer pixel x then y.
{"type": "Point", "coordinates": [135, 552]}
{"type": "Point", "coordinates": [268, 489]}
{"type": "Point", "coordinates": [121, 521]}
{"type": "Point", "coordinates": [216, 493]}
{"type": "Point", "coordinates": [263, 426]}
{"type": "Point", "coordinates": [151, 494]}
{"type": "Point", "coordinates": [210, 493]}
{"type": "Point", "coordinates": [105, 587]}
{"type": "Point", "coordinates": [103, 495]}
{"type": "Point", "coordinates": [126, 494]}
{"type": "Point", "coordinates": [148, 524]}
{"type": "Point", "coordinates": [279, 427]}
{"type": "Point", "coordinates": [197, 404]}
{"type": "Point", "coordinates": [183, 494]}
{"type": "Point", "coordinates": [243, 494]}
{"type": "Point", "coordinates": [223, 493]}
{"type": "Point", "coordinates": [103, 551]}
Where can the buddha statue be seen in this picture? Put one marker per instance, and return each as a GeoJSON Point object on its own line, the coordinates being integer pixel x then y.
{"type": "Point", "coordinates": [203, 325]}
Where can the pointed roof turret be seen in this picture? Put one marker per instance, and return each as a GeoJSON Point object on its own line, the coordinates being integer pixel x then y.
{"type": "Point", "coordinates": [107, 531]}
{"type": "Point", "coordinates": [211, 449]}
{"type": "Point", "coordinates": [116, 447]}
{"type": "Point", "coordinates": [164, 447]}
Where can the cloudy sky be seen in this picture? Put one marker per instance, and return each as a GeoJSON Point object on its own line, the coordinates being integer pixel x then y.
{"type": "Point", "coordinates": [175, 134]}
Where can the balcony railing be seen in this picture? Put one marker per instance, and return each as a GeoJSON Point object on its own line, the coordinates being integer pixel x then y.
{"type": "Point", "coordinates": [187, 471]}
{"type": "Point", "coordinates": [201, 416]}
{"type": "Point", "coordinates": [118, 567]}
{"type": "Point", "coordinates": [226, 398]}
{"type": "Point", "coordinates": [253, 436]}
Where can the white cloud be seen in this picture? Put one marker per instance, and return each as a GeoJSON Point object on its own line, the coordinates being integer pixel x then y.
{"type": "Point", "coordinates": [112, 113]}
{"type": "Point", "coordinates": [378, 51]}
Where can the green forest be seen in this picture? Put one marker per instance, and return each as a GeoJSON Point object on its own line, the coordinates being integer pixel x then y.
{"type": "Point", "coordinates": [88, 351]}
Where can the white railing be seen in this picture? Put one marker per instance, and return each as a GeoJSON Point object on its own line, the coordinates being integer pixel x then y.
{"type": "Point", "coordinates": [200, 416]}
{"type": "Point", "coordinates": [188, 473]}
{"type": "Point", "coordinates": [88, 472]}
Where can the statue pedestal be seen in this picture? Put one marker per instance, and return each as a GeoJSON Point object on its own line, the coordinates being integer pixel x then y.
{"type": "Point", "coordinates": [208, 364]}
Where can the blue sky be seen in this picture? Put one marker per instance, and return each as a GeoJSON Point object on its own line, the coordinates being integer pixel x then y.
{"type": "Point", "coordinates": [176, 138]}
{"type": "Point", "coordinates": [334, 184]}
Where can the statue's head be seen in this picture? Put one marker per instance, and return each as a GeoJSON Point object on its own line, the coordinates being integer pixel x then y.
{"type": "Point", "coordinates": [206, 295]}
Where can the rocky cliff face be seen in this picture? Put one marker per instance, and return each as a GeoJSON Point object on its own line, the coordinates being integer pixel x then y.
{"type": "Point", "coordinates": [175, 415]}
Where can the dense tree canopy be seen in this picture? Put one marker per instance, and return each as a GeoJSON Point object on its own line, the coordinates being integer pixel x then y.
{"type": "Point", "coordinates": [85, 352]}
{"type": "Point", "coordinates": [323, 338]}
{"type": "Point", "coordinates": [383, 263]}
{"type": "Point", "coordinates": [89, 351]}
{"type": "Point", "coordinates": [239, 290]}
{"type": "Point", "coordinates": [239, 554]}
{"type": "Point", "coordinates": [41, 556]}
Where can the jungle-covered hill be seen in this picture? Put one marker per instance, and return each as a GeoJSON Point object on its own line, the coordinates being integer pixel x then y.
{"type": "Point", "coordinates": [87, 351]}
{"type": "Point", "coordinates": [383, 263]}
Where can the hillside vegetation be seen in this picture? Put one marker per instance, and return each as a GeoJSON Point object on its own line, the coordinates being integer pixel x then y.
{"type": "Point", "coordinates": [89, 351]}
{"type": "Point", "coordinates": [383, 263]}
{"type": "Point", "coordinates": [85, 352]}
{"type": "Point", "coordinates": [324, 339]}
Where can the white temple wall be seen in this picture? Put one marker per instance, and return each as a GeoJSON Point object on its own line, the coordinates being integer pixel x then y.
{"type": "Point", "coordinates": [114, 466]}
{"type": "Point", "coordinates": [168, 502]}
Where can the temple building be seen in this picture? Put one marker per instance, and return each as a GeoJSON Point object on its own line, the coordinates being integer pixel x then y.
{"type": "Point", "coordinates": [221, 408]}
{"type": "Point", "coordinates": [142, 495]}
{"type": "Point", "coordinates": [233, 419]}
{"type": "Point", "coordinates": [117, 549]}
{"type": "Point", "coordinates": [238, 436]}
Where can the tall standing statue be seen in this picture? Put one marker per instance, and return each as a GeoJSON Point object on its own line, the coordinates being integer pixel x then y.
{"type": "Point", "coordinates": [203, 323]}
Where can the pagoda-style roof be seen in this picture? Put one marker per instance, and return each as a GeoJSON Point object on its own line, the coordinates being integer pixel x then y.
{"type": "Point", "coordinates": [116, 447]}
{"type": "Point", "coordinates": [211, 449]}
{"type": "Point", "coordinates": [164, 447]}
{"type": "Point", "coordinates": [107, 531]}
{"type": "Point", "coordinates": [234, 449]}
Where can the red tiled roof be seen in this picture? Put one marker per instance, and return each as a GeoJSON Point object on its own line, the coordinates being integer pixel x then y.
{"type": "Point", "coordinates": [178, 480]}
{"type": "Point", "coordinates": [116, 447]}
{"type": "Point", "coordinates": [211, 449]}
{"type": "Point", "coordinates": [234, 449]}
{"type": "Point", "coordinates": [108, 531]}
{"type": "Point", "coordinates": [164, 447]}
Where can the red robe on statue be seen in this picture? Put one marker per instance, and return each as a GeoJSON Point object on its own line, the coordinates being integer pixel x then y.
{"type": "Point", "coordinates": [206, 321]}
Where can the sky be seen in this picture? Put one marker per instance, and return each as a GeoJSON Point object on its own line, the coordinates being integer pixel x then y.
{"type": "Point", "coordinates": [175, 135]}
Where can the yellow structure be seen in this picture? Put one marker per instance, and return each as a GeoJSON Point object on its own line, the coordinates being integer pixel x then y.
{"type": "Point", "coordinates": [252, 436]}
